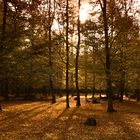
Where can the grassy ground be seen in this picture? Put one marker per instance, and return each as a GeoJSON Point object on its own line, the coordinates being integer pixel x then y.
{"type": "Point", "coordinates": [44, 121]}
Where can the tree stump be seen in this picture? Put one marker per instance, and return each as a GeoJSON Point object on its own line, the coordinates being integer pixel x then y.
{"type": "Point", "coordinates": [91, 121]}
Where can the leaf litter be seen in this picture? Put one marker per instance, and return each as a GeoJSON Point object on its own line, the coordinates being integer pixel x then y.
{"type": "Point", "coordinates": [24, 120]}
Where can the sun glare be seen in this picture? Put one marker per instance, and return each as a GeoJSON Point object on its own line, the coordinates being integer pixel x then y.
{"type": "Point", "coordinates": [84, 12]}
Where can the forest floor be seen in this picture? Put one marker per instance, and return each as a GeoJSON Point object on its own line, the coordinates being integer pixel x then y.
{"type": "Point", "coordinates": [22, 120]}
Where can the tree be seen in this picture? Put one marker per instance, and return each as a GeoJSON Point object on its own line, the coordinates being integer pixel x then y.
{"type": "Point", "coordinates": [103, 6]}
{"type": "Point", "coordinates": [125, 30]}
{"type": "Point", "coordinates": [67, 54]}
{"type": "Point", "coordinates": [3, 82]}
{"type": "Point", "coordinates": [51, 18]}
{"type": "Point", "coordinates": [77, 57]}
{"type": "Point", "coordinates": [85, 69]}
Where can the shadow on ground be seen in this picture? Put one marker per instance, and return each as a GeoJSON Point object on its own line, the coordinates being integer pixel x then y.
{"type": "Point", "coordinates": [45, 121]}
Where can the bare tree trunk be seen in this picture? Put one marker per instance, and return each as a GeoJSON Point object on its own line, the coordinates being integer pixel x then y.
{"type": "Point", "coordinates": [85, 63]}
{"type": "Point", "coordinates": [93, 74]}
{"type": "Point", "coordinates": [50, 56]}
{"type": "Point", "coordinates": [122, 82]}
{"type": "Point", "coordinates": [2, 39]}
{"type": "Point", "coordinates": [107, 54]}
{"type": "Point", "coordinates": [77, 58]}
{"type": "Point", "coordinates": [3, 24]}
{"type": "Point", "coordinates": [67, 55]}
{"type": "Point", "coordinates": [123, 59]}
{"type": "Point", "coordinates": [29, 90]}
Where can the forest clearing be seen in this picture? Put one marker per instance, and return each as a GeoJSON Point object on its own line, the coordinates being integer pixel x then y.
{"type": "Point", "coordinates": [54, 53]}
{"type": "Point", "coordinates": [40, 120]}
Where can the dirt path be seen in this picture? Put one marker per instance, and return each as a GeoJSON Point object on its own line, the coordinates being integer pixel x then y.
{"type": "Point", "coordinates": [45, 121]}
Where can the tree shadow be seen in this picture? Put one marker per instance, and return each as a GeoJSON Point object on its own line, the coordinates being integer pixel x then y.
{"type": "Point", "coordinates": [20, 113]}
{"type": "Point", "coordinates": [62, 121]}
{"type": "Point", "coordinates": [68, 123]}
{"type": "Point", "coordinates": [24, 115]}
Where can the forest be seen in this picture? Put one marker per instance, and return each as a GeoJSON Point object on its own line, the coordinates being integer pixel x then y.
{"type": "Point", "coordinates": [82, 56]}
{"type": "Point", "coordinates": [58, 47]}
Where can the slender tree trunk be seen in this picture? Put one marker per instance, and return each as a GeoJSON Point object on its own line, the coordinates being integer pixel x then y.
{"type": "Point", "coordinates": [29, 90]}
{"type": "Point", "coordinates": [85, 58]}
{"type": "Point", "coordinates": [50, 56]}
{"type": "Point", "coordinates": [67, 55]}
{"type": "Point", "coordinates": [77, 57]}
{"type": "Point", "coordinates": [122, 86]}
{"type": "Point", "coordinates": [122, 91]}
{"type": "Point", "coordinates": [123, 59]}
{"type": "Point", "coordinates": [93, 74]}
{"type": "Point", "coordinates": [72, 84]}
{"type": "Point", "coordinates": [2, 39]}
{"type": "Point", "coordinates": [107, 54]}
{"type": "Point", "coordinates": [3, 25]}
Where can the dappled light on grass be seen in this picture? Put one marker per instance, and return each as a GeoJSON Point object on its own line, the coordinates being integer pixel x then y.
{"type": "Point", "coordinates": [45, 121]}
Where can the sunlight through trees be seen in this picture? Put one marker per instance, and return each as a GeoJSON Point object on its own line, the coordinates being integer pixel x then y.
{"type": "Point", "coordinates": [75, 47]}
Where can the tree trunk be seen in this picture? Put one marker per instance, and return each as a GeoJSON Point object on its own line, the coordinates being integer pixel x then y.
{"type": "Point", "coordinates": [67, 55]}
{"type": "Point", "coordinates": [85, 58]}
{"type": "Point", "coordinates": [122, 86]}
{"type": "Point", "coordinates": [2, 46]}
{"type": "Point", "coordinates": [29, 89]}
{"type": "Point", "coordinates": [50, 57]}
{"type": "Point", "coordinates": [3, 25]}
{"type": "Point", "coordinates": [107, 54]}
{"type": "Point", "coordinates": [29, 96]}
{"type": "Point", "coordinates": [77, 58]}
{"type": "Point", "coordinates": [93, 74]}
